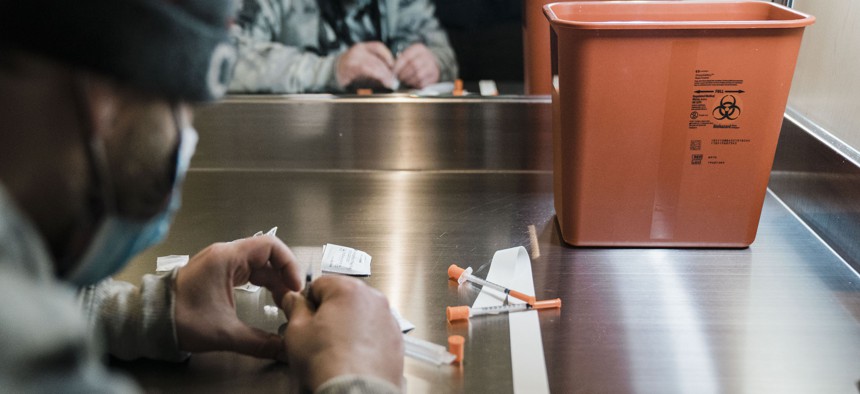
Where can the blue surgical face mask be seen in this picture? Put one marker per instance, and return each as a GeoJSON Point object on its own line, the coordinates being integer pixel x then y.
{"type": "Point", "coordinates": [117, 239]}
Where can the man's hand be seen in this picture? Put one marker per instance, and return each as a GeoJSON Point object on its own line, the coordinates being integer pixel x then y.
{"type": "Point", "coordinates": [205, 312]}
{"type": "Point", "coordinates": [366, 64]}
{"type": "Point", "coordinates": [344, 327]}
{"type": "Point", "coordinates": [417, 67]}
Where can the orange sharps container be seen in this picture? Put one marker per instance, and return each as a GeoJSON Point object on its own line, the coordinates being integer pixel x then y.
{"type": "Point", "coordinates": [666, 117]}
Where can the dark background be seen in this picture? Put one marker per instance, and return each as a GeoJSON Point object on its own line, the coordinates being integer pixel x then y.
{"type": "Point", "coordinates": [487, 37]}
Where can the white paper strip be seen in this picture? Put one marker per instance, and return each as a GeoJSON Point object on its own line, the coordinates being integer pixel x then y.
{"type": "Point", "coordinates": [513, 269]}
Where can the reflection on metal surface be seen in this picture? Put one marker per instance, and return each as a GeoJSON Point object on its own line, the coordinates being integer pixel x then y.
{"type": "Point", "coordinates": [534, 246]}
{"type": "Point", "coordinates": [818, 177]}
{"type": "Point", "coordinates": [370, 135]}
{"type": "Point", "coordinates": [781, 316]}
{"type": "Point", "coordinates": [682, 337]}
{"type": "Point", "coordinates": [399, 219]}
{"type": "Point", "coordinates": [382, 98]}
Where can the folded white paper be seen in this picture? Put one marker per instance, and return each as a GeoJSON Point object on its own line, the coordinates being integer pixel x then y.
{"type": "Point", "coordinates": [343, 260]}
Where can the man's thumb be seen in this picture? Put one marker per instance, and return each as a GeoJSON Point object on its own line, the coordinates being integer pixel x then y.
{"type": "Point", "coordinates": [295, 306]}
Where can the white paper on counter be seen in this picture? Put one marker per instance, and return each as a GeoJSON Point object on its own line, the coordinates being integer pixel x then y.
{"type": "Point", "coordinates": [512, 268]}
{"type": "Point", "coordinates": [343, 260]}
{"type": "Point", "coordinates": [436, 89]}
{"type": "Point", "coordinates": [488, 87]}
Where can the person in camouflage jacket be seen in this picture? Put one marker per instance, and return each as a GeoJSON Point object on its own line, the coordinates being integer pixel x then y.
{"type": "Point", "coordinates": [299, 46]}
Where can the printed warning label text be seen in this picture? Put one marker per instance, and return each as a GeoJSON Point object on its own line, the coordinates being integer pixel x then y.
{"type": "Point", "coordinates": [715, 102]}
{"type": "Point", "coordinates": [716, 114]}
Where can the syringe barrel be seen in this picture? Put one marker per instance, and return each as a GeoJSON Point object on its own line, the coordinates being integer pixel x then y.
{"type": "Point", "coordinates": [495, 310]}
{"type": "Point", "coordinates": [513, 293]}
{"type": "Point", "coordinates": [426, 351]}
{"type": "Point", "coordinates": [475, 279]}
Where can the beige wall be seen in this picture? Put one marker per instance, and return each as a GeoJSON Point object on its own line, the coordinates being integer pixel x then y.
{"type": "Point", "coordinates": [826, 86]}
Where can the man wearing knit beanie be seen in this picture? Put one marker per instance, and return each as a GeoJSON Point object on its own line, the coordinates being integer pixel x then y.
{"type": "Point", "coordinates": [96, 140]}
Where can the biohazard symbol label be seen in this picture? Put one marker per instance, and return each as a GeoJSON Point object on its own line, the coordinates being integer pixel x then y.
{"type": "Point", "coordinates": [728, 109]}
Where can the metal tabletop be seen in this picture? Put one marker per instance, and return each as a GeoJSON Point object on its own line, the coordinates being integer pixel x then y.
{"type": "Point", "coordinates": [422, 184]}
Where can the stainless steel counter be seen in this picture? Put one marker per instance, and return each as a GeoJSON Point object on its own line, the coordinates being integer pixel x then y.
{"type": "Point", "coordinates": [426, 183]}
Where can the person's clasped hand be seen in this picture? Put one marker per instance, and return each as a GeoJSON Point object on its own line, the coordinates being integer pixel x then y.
{"type": "Point", "coordinates": [417, 67]}
{"type": "Point", "coordinates": [366, 64]}
{"type": "Point", "coordinates": [205, 310]}
{"type": "Point", "coordinates": [345, 327]}
{"type": "Point", "coordinates": [371, 64]}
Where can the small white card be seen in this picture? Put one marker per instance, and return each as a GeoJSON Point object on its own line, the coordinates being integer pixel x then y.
{"type": "Point", "coordinates": [343, 260]}
{"type": "Point", "coordinates": [488, 88]}
{"type": "Point", "coordinates": [168, 263]}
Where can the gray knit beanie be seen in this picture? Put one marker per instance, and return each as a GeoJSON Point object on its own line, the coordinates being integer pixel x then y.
{"type": "Point", "coordinates": [176, 48]}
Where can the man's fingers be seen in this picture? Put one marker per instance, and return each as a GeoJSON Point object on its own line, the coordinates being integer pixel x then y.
{"type": "Point", "coordinates": [296, 307]}
{"type": "Point", "coordinates": [405, 69]}
{"type": "Point", "coordinates": [416, 76]}
{"type": "Point", "coordinates": [258, 343]}
{"type": "Point", "coordinates": [406, 59]}
{"type": "Point", "coordinates": [381, 52]}
{"type": "Point", "coordinates": [415, 72]}
{"type": "Point", "coordinates": [417, 66]}
{"type": "Point", "coordinates": [379, 72]}
{"type": "Point", "coordinates": [408, 75]}
{"type": "Point", "coordinates": [424, 77]}
{"type": "Point", "coordinates": [329, 287]}
{"type": "Point", "coordinates": [270, 262]}
{"type": "Point", "coordinates": [366, 62]}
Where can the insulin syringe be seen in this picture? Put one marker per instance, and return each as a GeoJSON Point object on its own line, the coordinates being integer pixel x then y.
{"type": "Point", "coordinates": [464, 312]}
{"type": "Point", "coordinates": [462, 275]}
{"type": "Point", "coordinates": [422, 350]}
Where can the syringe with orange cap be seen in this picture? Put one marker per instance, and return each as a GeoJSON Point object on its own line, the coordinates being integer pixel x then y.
{"type": "Point", "coordinates": [462, 275]}
{"type": "Point", "coordinates": [464, 312]}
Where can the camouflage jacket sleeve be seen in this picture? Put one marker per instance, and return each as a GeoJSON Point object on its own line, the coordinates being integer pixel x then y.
{"type": "Point", "coordinates": [45, 343]}
{"type": "Point", "coordinates": [135, 321]}
{"type": "Point", "coordinates": [265, 65]}
{"type": "Point", "coordinates": [415, 21]}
